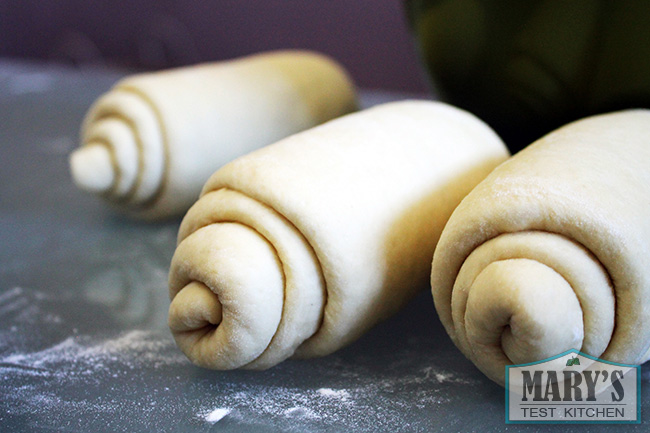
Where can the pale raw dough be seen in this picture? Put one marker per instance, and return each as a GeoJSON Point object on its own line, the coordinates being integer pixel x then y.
{"type": "Point", "coordinates": [352, 209]}
{"type": "Point", "coordinates": [151, 142]}
{"type": "Point", "coordinates": [550, 252]}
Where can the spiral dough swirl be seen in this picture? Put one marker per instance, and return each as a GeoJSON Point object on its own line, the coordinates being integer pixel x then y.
{"type": "Point", "coordinates": [301, 247]}
{"type": "Point", "coordinates": [549, 252]}
{"type": "Point", "coordinates": [152, 141]}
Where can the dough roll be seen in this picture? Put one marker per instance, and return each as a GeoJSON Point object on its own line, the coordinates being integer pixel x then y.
{"type": "Point", "coordinates": [151, 142]}
{"type": "Point", "coordinates": [550, 251]}
{"type": "Point", "coordinates": [302, 246]}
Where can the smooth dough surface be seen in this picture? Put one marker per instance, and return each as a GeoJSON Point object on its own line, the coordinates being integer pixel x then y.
{"type": "Point", "coordinates": [550, 251]}
{"type": "Point", "coordinates": [163, 134]}
{"type": "Point", "coordinates": [352, 208]}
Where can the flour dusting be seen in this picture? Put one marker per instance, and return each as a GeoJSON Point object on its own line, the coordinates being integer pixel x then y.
{"type": "Point", "coordinates": [301, 412]}
{"type": "Point", "coordinates": [138, 380]}
{"type": "Point", "coordinates": [341, 394]}
{"type": "Point", "coordinates": [165, 383]}
{"type": "Point", "coordinates": [216, 415]}
{"type": "Point", "coordinates": [81, 356]}
{"type": "Point", "coordinates": [367, 401]}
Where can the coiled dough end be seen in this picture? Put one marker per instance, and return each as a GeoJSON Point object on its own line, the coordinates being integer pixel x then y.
{"type": "Point", "coordinates": [549, 252]}
{"type": "Point", "coordinates": [92, 168]}
{"type": "Point", "coordinates": [520, 311]}
{"type": "Point", "coordinates": [227, 289]}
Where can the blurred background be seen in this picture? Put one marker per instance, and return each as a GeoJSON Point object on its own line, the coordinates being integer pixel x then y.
{"type": "Point", "coordinates": [369, 37]}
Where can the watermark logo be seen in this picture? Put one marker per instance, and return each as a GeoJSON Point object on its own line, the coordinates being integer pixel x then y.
{"type": "Point", "coordinates": [573, 387]}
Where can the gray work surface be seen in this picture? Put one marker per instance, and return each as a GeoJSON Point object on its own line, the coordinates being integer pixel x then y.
{"type": "Point", "coordinates": [84, 345]}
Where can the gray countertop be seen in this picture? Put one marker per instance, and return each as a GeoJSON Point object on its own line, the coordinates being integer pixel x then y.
{"type": "Point", "coordinates": [83, 304]}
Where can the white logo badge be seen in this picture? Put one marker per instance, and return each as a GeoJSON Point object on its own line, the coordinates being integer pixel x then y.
{"type": "Point", "coordinates": [573, 387]}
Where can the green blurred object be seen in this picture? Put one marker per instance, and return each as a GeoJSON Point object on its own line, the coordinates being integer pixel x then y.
{"type": "Point", "coordinates": [528, 67]}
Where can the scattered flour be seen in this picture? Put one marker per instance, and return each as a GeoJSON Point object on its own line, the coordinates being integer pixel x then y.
{"type": "Point", "coordinates": [301, 412]}
{"type": "Point", "coordinates": [140, 380]}
{"type": "Point", "coordinates": [216, 415]}
{"type": "Point", "coordinates": [81, 356]}
{"type": "Point", "coordinates": [143, 381]}
{"type": "Point", "coordinates": [341, 394]}
{"type": "Point", "coordinates": [20, 306]}
{"type": "Point", "coordinates": [86, 382]}
{"type": "Point", "coordinates": [369, 401]}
